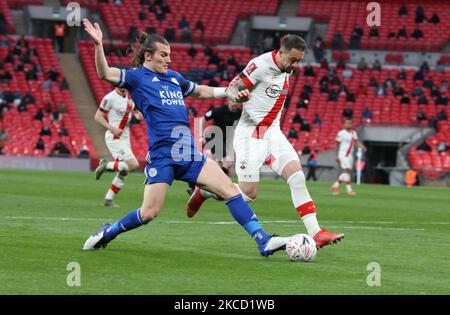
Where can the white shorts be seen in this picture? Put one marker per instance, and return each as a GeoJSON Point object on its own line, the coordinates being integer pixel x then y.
{"type": "Point", "coordinates": [346, 162]}
{"type": "Point", "coordinates": [252, 153]}
{"type": "Point", "coordinates": [120, 148]}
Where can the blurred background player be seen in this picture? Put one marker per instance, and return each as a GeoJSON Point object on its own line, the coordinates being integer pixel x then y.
{"type": "Point", "coordinates": [346, 140]}
{"type": "Point", "coordinates": [219, 141]}
{"type": "Point", "coordinates": [260, 140]}
{"type": "Point", "coordinates": [114, 113]}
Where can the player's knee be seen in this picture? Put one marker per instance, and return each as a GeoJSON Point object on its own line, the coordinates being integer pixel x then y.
{"type": "Point", "coordinates": [132, 165]}
{"type": "Point", "coordinates": [251, 192]}
{"type": "Point", "coordinates": [149, 213]}
{"type": "Point", "coordinates": [291, 168]}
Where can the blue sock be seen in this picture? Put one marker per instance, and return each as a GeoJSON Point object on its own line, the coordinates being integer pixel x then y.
{"type": "Point", "coordinates": [245, 216]}
{"type": "Point", "coordinates": [131, 221]}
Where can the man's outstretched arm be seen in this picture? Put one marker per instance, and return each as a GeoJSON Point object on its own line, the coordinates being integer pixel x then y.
{"type": "Point", "coordinates": [208, 92]}
{"type": "Point", "coordinates": [105, 72]}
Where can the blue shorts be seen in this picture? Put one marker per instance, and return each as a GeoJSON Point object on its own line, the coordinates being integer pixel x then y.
{"type": "Point", "coordinates": [165, 170]}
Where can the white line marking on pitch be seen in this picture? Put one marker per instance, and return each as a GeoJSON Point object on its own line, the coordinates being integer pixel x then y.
{"type": "Point", "coordinates": [286, 223]}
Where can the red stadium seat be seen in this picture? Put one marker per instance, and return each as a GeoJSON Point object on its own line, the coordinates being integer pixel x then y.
{"type": "Point", "coordinates": [345, 15]}
{"type": "Point", "coordinates": [22, 127]}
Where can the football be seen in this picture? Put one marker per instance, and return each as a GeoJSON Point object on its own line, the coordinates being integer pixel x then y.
{"type": "Point", "coordinates": [301, 247]}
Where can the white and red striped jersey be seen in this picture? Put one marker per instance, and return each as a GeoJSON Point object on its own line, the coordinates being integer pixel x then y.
{"type": "Point", "coordinates": [269, 87]}
{"type": "Point", "coordinates": [347, 140]}
{"type": "Point", "coordinates": [119, 111]}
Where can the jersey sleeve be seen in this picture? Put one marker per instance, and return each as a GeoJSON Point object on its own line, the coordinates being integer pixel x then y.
{"type": "Point", "coordinates": [252, 74]}
{"type": "Point", "coordinates": [355, 136]}
{"type": "Point", "coordinates": [187, 87]}
{"type": "Point", "coordinates": [128, 78]}
{"type": "Point", "coordinates": [339, 137]}
{"type": "Point", "coordinates": [105, 105]}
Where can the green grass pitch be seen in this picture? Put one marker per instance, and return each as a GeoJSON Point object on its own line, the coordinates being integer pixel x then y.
{"type": "Point", "coordinates": [45, 217]}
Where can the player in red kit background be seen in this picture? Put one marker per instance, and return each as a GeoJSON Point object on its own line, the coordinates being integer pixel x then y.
{"type": "Point", "coordinates": [346, 140]}
{"type": "Point", "coordinates": [114, 113]}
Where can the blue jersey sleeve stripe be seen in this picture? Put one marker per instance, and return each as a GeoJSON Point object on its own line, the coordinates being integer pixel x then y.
{"type": "Point", "coordinates": [191, 89]}
{"type": "Point", "coordinates": [122, 78]}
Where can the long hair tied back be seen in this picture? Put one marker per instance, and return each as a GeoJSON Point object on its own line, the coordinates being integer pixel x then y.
{"type": "Point", "coordinates": [145, 43]}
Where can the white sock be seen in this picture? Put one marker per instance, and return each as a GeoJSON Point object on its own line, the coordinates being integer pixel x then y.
{"type": "Point", "coordinates": [339, 180]}
{"type": "Point", "coordinates": [110, 194]}
{"type": "Point", "coordinates": [303, 202]}
{"type": "Point", "coordinates": [117, 166]}
{"type": "Point", "coordinates": [311, 224]}
{"type": "Point", "coordinates": [348, 184]}
{"type": "Point", "coordinates": [299, 192]}
{"type": "Point", "coordinates": [116, 185]}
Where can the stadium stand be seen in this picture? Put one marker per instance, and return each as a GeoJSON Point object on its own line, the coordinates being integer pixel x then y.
{"type": "Point", "coordinates": [22, 125]}
{"type": "Point", "coordinates": [444, 60]}
{"type": "Point", "coordinates": [386, 109]}
{"type": "Point", "coordinates": [432, 163]}
{"type": "Point", "coordinates": [218, 28]}
{"type": "Point", "coordinates": [344, 16]}
{"type": "Point", "coordinates": [19, 4]}
{"type": "Point", "coordinates": [6, 17]}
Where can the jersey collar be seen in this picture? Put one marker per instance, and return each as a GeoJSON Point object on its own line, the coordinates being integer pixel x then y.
{"type": "Point", "coordinates": [274, 53]}
{"type": "Point", "coordinates": [117, 93]}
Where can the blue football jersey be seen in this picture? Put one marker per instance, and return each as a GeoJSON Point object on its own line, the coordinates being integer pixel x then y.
{"type": "Point", "coordinates": [160, 98]}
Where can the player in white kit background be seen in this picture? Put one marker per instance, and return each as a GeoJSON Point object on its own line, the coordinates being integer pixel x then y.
{"type": "Point", "coordinates": [114, 113]}
{"type": "Point", "coordinates": [346, 140]}
{"type": "Point", "coordinates": [259, 139]}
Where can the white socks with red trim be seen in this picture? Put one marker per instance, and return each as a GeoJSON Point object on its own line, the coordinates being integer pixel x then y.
{"type": "Point", "coordinates": [339, 181]}
{"type": "Point", "coordinates": [117, 184]}
{"type": "Point", "coordinates": [348, 184]}
{"type": "Point", "coordinates": [344, 178]}
{"type": "Point", "coordinates": [117, 166]}
{"type": "Point", "coordinates": [303, 202]}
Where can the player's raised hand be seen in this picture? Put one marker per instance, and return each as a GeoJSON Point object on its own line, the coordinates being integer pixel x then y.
{"type": "Point", "coordinates": [94, 31]}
